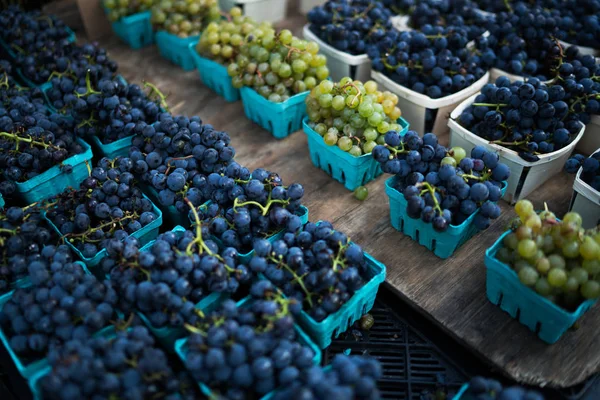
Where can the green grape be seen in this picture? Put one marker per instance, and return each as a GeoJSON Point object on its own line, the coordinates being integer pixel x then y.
{"type": "Point", "coordinates": [524, 232]}
{"type": "Point", "coordinates": [448, 160]}
{"type": "Point", "coordinates": [274, 97]}
{"type": "Point", "coordinates": [590, 290]}
{"type": "Point", "coordinates": [591, 266]}
{"type": "Point", "coordinates": [504, 255]}
{"type": "Point", "coordinates": [543, 265]}
{"type": "Point", "coordinates": [458, 153]}
{"type": "Point", "coordinates": [572, 284]}
{"type": "Point", "coordinates": [320, 129]}
{"type": "Point", "coordinates": [571, 249]}
{"type": "Point", "coordinates": [344, 143]}
{"type": "Point", "coordinates": [524, 208]}
{"type": "Point", "coordinates": [589, 249]}
{"type": "Point", "coordinates": [237, 82]}
{"type": "Point", "coordinates": [330, 137]}
{"type": "Point", "coordinates": [368, 146]}
{"type": "Point", "coordinates": [528, 276]}
{"type": "Point", "coordinates": [511, 241]}
{"type": "Point", "coordinates": [580, 274]}
{"type": "Point", "coordinates": [338, 123]}
{"type": "Point", "coordinates": [325, 100]}
{"type": "Point", "coordinates": [572, 218]}
{"type": "Point", "coordinates": [383, 127]}
{"type": "Point", "coordinates": [356, 151]}
{"type": "Point", "coordinates": [520, 264]}
{"type": "Point", "coordinates": [543, 287]}
{"type": "Point", "coordinates": [366, 110]}
{"type": "Point", "coordinates": [557, 277]}
{"type": "Point", "coordinates": [375, 119]}
{"type": "Point", "coordinates": [527, 248]}
{"type": "Point", "coordinates": [370, 134]}
{"type": "Point", "coordinates": [338, 102]}
{"type": "Point", "coordinates": [557, 261]}
{"type": "Point", "coordinates": [361, 193]}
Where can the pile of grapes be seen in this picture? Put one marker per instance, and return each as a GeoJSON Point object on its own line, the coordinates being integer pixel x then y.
{"type": "Point", "coordinates": [315, 265]}
{"type": "Point", "coordinates": [277, 65]}
{"type": "Point", "coordinates": [353, 115]}
{"type": "Point", "coordinates": [108, 205]}
{"type": "Point", "coordinates": [484, 388]}
{"type": "Point", "coordinates": [443, 186]}
{"type": "Point", "coordinates": [529, 118]}
{"type": "Point", "coordinates": [433, 61]}
{"type": "Point", "coordinates": [184, 18]}
{"type": "Point", "coordinates": [118, 9]}
{"type": "Point", "coordinates": [556, 258]}
{"type": "Point", "coordinates": [221, 41]}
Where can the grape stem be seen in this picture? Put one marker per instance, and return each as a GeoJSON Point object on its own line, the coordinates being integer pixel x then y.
{"type": "Point", "coordinates": [113, 223]}
{"type": "Point", "coordinates": [264, 209]}
{"type": "Point", "coordinates": [431, 189]}
{"type": "Point", "coordinates": [88, 85]}
{"type": "Point", "coordinates": [161, 96]}
{"type": "Point", "coordinates": [299, 279]}
{"type": "Point", "coordinates": [175, 159]}
{"type": "Point", "coordinates": [29, 139]}
{"type": "Point", "coordinates": [338, 260]}
{"type": "Point", "coordinates": [351, 84]}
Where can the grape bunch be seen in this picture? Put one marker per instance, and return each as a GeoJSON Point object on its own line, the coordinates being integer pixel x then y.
{"type": "Point", "coordinates": [590, 166]}
{"type": "Point", "coordinates": [221, 41]}
{"type": "Point", "coordinates": [556, 258]}
{"type": "Point", "coordinates": [261, 207]}
{"type": "Point", "coordinates": [433, 61]}
{"type": "Point", "coordinates": [64, 303]}
{"type": "Point", "coordinates": [24, 234]}
{"type": "Point", "coordinates": [107, 205]}
{"type": "Point", "coordinates": [184, 18]}
{"type": "Point", "coordinates": [175, 154]}
{"type": "Point", "coordinates": [352, 115]}
{"type": "Point", "coordinates": [32, 140]}
{"type": "Point", "coordinates": [348, 377]}
{"type": "Point", "coordinates": [577, 75]}
{"type": "Point", "coordinates": [315, 265]}
{"type": "Point", "coordinates": [278, 66]}
{"type": "Point", "coordinates": [521, 41]}
{"type": "Point", "coordinates": [37, 40]}
{"type": "Point", "coordinates": [126, 364]}
{"type": "Point", "coordinates": [483, 388]}
{"type": "Point", "coordinates": [118, 9]}
{"type": "Point", "coordinates": [246, 352]}
{"type": "Point", "coordinates": [494, 6]}
{"type": "Point", "coordinates": [527, 117]}
{"type": "Point", "coordinates": [110, 111]}
{"type": "Point", "coordinates": [577, 21]}
{"type": "Point", "coordinates": [349, 25]}
{"type": "Point", "coordinates": [166, 281]}
{"type": "Point", "coordinates": [443, 186]}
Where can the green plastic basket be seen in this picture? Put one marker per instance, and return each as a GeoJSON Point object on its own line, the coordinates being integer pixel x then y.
{"type": "Point", "coordinates": [54, 181]}
{"type": "Point", "coordinates": [135, 30]}
{"type": "Point", "coordinates": [281, 119]}
{"type": "Point", "coordinates": [176, 49]}
{"type": "Point", "coordinates": [442, 244]}
{"type": "Point", "coordinates": [461, 395]}
{"type": "Point", "coordinates": [26, 370]}
{"type": "Point", "coordinates": [214, 76]}
{"type": "Point", "coordinates": [303, 338]}
{"type": "Point", "coordinates": [340, 165]}
{"type": "Point", "coordinates": [144, 235]}
{"type": "Point", "coordinates": [118, 148]}
{"type": "Point", "coordinates": [174, 217]}
{"type": "Point", "coordinates": [540, 315]}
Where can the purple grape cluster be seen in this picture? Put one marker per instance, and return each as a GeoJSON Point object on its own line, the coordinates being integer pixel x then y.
{"type": "Point", "coordinates": [63, 303]}
{"type": "Point", "coordinates": [315, 265]}
{"type": "Point", "coordinates": [166, 281]}
{"type": "Point", "coordinates": [248, 351]}
{"type": "Point", "coordinates": [484, 388]}
{"type": "Point", "coordinates": [443, 186]}
{"type": "Point", "coordinates": [24, 234]}
{"type": "Point", "coordinates": [261, 206]}
{"type": "Point", "coordinates": [108, 204]}
{"type": "Point", "coordinates": [527, 117]}
{"type": "Point", "coordinates": [348, 377]}
{"type": "Point", "coordinates": [177, 154]}
{"type": "Point", "coordinates": [127, 364]}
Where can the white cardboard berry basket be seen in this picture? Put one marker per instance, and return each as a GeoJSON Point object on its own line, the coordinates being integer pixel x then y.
{"type": "Point", "coordinates": [341, 64]}
{"type": "Point", "coordinates": [307, 5]}
{"type": "Point", "coordinates": [524, 176]}
{"type": "Point", "coordinates": [259, 10]}
{"type": "Point", "coordinates": [585, 201]}
{"type": "Point", "coordinates": [591, 140]}
{"type": "Point", "coordinates": [414, 105]}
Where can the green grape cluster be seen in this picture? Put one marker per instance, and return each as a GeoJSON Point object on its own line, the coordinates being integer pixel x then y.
{"type": "Point", "coordinates": [184, 18]}
{"type": "Point", "coordinates": [118, 9]}
{"type": "Point", "coordinates": [221, 40]}
{"type": "Point", "coordinates": [277, 66]}
{"type": "Point", "coordinates": [557, 259]}
{"type": "Point", "coordinates": [352, 115]}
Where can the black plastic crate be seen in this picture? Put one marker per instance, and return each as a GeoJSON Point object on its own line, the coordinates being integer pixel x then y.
{"type": "Point", "coordinates": [412, 365]}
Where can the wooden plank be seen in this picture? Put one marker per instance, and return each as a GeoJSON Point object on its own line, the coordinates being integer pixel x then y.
{"type": "Point", "coordinates": [451, 292]}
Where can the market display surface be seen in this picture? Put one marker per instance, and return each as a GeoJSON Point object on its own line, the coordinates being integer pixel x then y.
{"type": "Point", "coordinates": [186, 223]}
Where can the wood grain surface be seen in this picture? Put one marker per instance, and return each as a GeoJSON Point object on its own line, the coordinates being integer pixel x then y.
{"type": "Point", "coordinates": [450, 292]}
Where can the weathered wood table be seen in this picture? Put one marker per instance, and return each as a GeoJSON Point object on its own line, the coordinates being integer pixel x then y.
{"type": "Point", "coordinates": [450, 292]}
